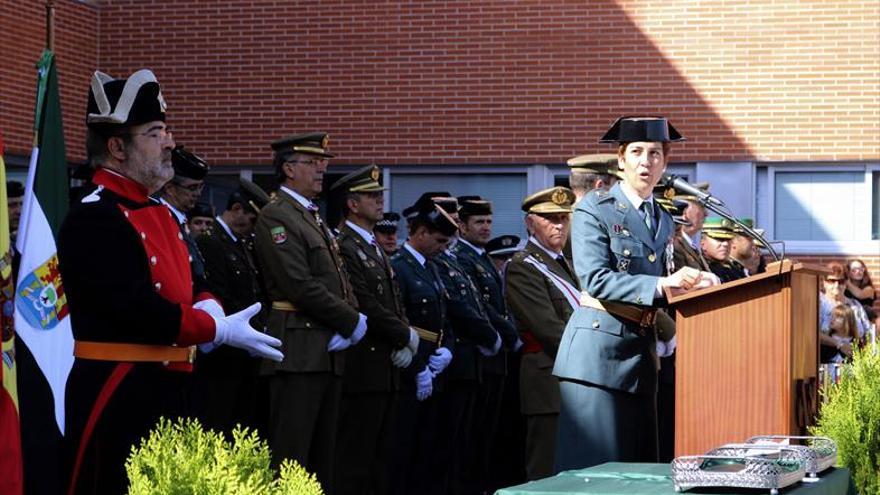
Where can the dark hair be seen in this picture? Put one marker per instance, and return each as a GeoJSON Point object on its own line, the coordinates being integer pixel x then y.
{"type": "Point", "coordinates": [866, 280]}
{"type": "Point", "coordinates": [622, 148]}
{"type": "Point", "coordinates": [837, 271]}
{"type": "Point", "coordinates": [583, 181]}
{"type": "Point", "coordinates": [96, 143]}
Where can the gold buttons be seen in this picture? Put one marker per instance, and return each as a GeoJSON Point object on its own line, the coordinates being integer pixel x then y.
{"type": "Point", "coordinates": [652, 258]}
{"type": "Point", "coordinates": [626, 252]}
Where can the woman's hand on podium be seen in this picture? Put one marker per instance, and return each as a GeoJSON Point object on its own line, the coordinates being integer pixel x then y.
{"type": "Point", "coordinates": [686, 278]}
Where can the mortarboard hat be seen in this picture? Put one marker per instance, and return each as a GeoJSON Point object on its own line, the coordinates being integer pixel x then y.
{"type": "Point", "coordinates": [647, 129]}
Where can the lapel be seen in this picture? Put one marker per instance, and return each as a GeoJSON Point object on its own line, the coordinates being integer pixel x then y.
{"type": "Point", "coordinates": [627, 215]}
{"type": "Point", "coordinates": [420, 271]}
{"type": "Point", "coordinates": [308, 217]}
{"type": "Point", "coordinates": [695, 258]}
{"type": "Point", "coordinates": [550, 262]}
{"type": "Point", "coordinates": [238, 246]}
{"type": "Point", "coordinates": [368, 249]}
{"type": "Point", "coordinates": [465, 250]}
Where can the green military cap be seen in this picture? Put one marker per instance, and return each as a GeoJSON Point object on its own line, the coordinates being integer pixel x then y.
{"type": "Point", "coordinates": [469, 206]}
{"type": "Point", "coordinates": [253, 196]}
{"type": "Point", "coordinates": [310, 143]}
{"type": "Point", "coordinates": [600, 163]}
{"type": "Point", "coordinates": [362, 180]}
{"type": "Point", "coordinates": [748, 222]}
{"type": "Point", "coordinates": [554, 200]}
{"type": "Point", "coordinates": [718, 228]}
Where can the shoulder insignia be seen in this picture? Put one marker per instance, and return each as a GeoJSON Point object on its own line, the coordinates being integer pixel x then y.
{"type": "Point", "coordinates": [94, 196]}
{"type": "Point", "coordinates": [279, 235]}
{"type": "Point", "coordinates": [362, 255]}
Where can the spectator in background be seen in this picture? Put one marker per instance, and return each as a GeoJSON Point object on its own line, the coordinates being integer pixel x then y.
{"type": "Point", "coordinates": [386, 232]}
{"type": "Point", "coordinates": [842, 329]}
{"type": "Point", "coordinates": [833, 295]}
{"type": "Point", "coordinates": [858, 287]}
{"type": "Point", "coordinates": [200, 219]}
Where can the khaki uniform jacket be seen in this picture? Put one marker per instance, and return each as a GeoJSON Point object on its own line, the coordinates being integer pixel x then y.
{"type": "Point", "coordinates": [301, 264]}
{"type": "Point", "coordinates": [368, 365]}
{"type": "Point", "coordinates": [538, 307]}
{"type": "Point", "coordinates": [684, 254]}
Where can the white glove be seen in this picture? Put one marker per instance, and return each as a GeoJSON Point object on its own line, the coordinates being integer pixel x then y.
{"type": "Point", "coordinates": [666, 349]}
{"type": "Point", "coordinates": [213, 308]}
{"type": "Point", "coordinates": [439, 360]}
{"type": "Point", "coordinates": [210, 306]}
{"type": "Point", "coordinates": [413, 343]}
{"type": "Point", "coordinates": [494, 350]}
{"type": "Point", "coordinates": [338, 343]}
{"type": "Point", "coordinates": [236, 331]}
{"type": "Point", "coordinates": [401, 357]}
{"type": "Point", "coordinates": [359, 330]}
{"type": "Point", "coordinates": [424, 387]}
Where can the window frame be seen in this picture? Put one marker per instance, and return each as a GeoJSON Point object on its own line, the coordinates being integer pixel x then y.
{"type": "Point", "coordinates": [868, 247]}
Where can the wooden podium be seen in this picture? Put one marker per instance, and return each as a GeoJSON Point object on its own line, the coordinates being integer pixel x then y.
{"type": "Point", "coordinates": [747, 357]}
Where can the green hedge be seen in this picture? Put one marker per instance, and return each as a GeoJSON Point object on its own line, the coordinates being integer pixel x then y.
{"type": "Point", "coordinates": [850, 416]}
{"type": "Point", "coordinates": [181, 458]}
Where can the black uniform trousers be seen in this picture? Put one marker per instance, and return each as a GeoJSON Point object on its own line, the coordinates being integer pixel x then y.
{"type": "Point", "coordinates": [487, 410]}
{"type": "Point", "coordinates": [307, 432]}
{"type": "Point", "coordinates": [456, 434]}
{"type": "Point", "coordinates": [414, 467]}
{"type": "Point", "coordinates": [666, 408]}
{"type": "Point", "coordinates": [507, 457]}
{"type": "Point", "coordinates": [366, 445]}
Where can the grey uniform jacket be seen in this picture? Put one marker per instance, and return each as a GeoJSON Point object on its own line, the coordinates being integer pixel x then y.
{"type": "Point", "coordinates": [616, 259]}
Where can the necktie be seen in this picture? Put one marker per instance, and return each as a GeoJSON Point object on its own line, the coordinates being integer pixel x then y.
{"type": "Point", "coordinates": [564, 263]}
{"type": "Point", "coordinates": [648, 215]}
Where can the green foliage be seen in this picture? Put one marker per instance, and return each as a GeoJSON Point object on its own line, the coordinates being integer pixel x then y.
{"type": "Point", "coordinates": [851, 417]}
{"type": "Point", "coordinates": [181, 458]}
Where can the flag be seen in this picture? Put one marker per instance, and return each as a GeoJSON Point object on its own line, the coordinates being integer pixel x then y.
{"type": "Point", "coordinates": [41, 313]}
{"type": "Point", "coordinates": [11, 473]}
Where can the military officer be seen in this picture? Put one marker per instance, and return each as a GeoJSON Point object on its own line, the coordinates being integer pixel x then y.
{"type": "Point", "coordinates": [588, 172]}
{"type": "Point", "coordinates": [386, 232]}
{"type": "Point", "coordinates": [475, 230]}
{"type": "Point", "coordinates": [607, 358]}
{"type": "Point", "coordinates": [415, 467]}
{"type": "Point", "coordinates": [744, 249]}
{"type": "Point", "coordinates": [371, 369]}
{"type": "Point", "coordinates": [686, 243]}
{"type": "Point", "coordinates": [542, 293]}
{"type": "Point", "coordinates": [134, 311]}
{"type": "Point", "coordinates": [200, 219]}
{"type": "Point", "coordinates": [715, 243]}
{"type": "Point", "coordinates": [226, 379]}
{"type": "Point", "coordinates": [500, 249]}
{"type": "Point", "coordinates": [314, 310]}
{"type": "Point", "coordinates": [180, 195]}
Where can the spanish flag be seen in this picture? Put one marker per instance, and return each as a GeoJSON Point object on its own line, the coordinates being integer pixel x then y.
{"type": "Point", "coordinates": [10, 437]}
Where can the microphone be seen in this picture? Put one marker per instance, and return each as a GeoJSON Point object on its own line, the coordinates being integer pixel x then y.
{"type": "Point", "coordinates": [682, 186]}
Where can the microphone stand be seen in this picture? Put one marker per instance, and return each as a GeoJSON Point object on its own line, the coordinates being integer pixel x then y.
{"type": "Point", "coordinates": [724, 214]}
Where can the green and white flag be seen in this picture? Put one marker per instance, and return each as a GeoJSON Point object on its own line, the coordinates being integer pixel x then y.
{"type": "Point", "coordinates": [41, 314]}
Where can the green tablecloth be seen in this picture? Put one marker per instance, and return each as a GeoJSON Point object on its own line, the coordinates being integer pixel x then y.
{"type": "Point", "coordinates": [621, 478]}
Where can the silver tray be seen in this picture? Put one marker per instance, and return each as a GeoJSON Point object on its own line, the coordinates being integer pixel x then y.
{"type": "Point", "coordinates": [734, 471]}
{"type": "Point", "coordinates": [822, 450]}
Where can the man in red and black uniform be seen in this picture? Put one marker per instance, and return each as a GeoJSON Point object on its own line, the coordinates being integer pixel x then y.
{"type": "Point", "coordinates": [135, 314]}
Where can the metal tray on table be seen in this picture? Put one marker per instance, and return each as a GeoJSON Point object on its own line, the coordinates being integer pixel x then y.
{"type": "Point", "coordinates": [821, 451]}
{"type": "Point", "coordinates": [736, 471]}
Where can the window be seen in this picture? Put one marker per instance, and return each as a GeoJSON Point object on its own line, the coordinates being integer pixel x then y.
{"type": "Point", "coordinates": [505, 190]}
{"type": "Point", "coordinates": [820, 206]}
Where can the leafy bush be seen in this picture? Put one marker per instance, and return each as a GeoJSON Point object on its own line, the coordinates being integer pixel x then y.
{"type": "Point", "coordinates": [182, 458]}
{"type": "Point", "coordinates": [851, 417]}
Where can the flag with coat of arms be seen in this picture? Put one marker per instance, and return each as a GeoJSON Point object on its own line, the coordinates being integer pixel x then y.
{"type": "Point", "coordinates": [42, 321]}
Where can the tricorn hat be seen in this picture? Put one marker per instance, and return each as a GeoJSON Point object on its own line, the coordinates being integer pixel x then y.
{"type": "Point", "coordinates": [188, 164]}
{"type": "Point", "coordinates": [647, 129]}
{"type": "Point", "coordinates": [124, 102]}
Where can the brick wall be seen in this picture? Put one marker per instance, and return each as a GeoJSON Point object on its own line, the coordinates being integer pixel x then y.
{"type": "Point", "coordinates": [495, 81]}
{"type": "Point", "coordinates": [23, 27]}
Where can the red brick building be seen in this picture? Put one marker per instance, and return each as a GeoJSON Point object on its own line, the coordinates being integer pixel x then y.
{"type": "Point", "coordinates": [780, 101]}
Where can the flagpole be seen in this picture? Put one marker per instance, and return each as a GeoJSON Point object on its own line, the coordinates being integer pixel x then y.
{"type": "Point", "coordinates": [50, 24]}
